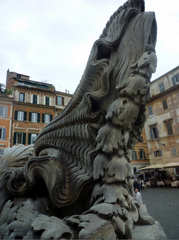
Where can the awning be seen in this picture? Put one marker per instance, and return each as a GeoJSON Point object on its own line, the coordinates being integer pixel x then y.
{"type": "Point", "coordinates": [171, 165]}
{"type": "Point", "coordinates": [155, 166]}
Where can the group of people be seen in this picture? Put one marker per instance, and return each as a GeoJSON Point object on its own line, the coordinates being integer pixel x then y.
{"type": "Point", "coordinates": [139, 184]}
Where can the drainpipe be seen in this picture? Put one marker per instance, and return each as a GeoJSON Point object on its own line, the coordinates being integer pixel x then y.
{"type": "Point", "coordinates": [12, 119]}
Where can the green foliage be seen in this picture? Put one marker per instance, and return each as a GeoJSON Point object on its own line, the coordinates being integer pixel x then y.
{"type": "Point", "coordinates": [8, 91]}
{"type": "Point", "coordinates": [2, 87]}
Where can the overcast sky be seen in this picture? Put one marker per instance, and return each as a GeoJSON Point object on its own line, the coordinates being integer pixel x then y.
{"type": "Point", "coordinates": [50, 40]}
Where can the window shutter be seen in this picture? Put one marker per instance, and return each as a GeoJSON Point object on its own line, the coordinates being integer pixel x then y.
{"type": "Point", "coordinates": [15, 136]}
{"type": "Point", "coordinates": [172, 151]}
{"type": "Point", "coordinates": [29, 139]}
{"type": "Point", "coordinates": [51, 117]}
{"type": "Point", "coordinates": [135, 154]}
{"type": "Point", "coordinates": [156, 129]}
{"type": "Point", "coordinates": [160, 152]}
{"type": "Point", "coordinates": [38, 117]}
{"type": "Point", "coordinates": [47, 101]}
{"type": "Point", "coordinates": [155, 154]}
{"type": "Point", "coordinates": [162, 87]}
{"type": "Point", "coordinates": [56, 100]}
{"type": "Point", "coordinates": [173, 80]}
{"type": "Point", "coordinates": [175, 151]}
{"type": "Point", "coordinates": [15, 117]}
{"type": "Point", "coordinates": [25, 116]}
{"type": "Point", "coordinates": [30, 116]}
{"type": "Point", "coordinates": [24, 138]}
{"type": "Point", "coordinates": [150, 110]}
{"type": "Point", "coordinates": [4, 133]}
{"type": "Point", "coordinates": [151, 134]}
{"type": "Point", "coordinates": [5, 111]}
{"type": "Point", "coordinates": [169, 128]}
{"type": "Point", "coordinates": [62, 101]}
{"type": "Point", "coordinates": [43, 118]}
{"type": "Point", "coordinates": [165, 106]}
{"type": "Point", "coordinates": [144, 154]}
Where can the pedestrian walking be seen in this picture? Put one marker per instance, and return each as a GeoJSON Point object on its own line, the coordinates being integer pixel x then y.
{"type": "Point", "coordinates": [142, 184]}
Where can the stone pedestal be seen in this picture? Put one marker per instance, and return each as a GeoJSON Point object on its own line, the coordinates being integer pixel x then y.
{"type": "Point", "coordinates": [148, 232]}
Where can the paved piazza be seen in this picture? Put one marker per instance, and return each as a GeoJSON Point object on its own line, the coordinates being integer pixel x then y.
{"type": "Point", "coordinates": [163, 205]}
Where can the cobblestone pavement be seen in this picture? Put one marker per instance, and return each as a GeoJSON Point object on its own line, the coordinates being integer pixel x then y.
{"type": "Point", "coordinates": [163, 205]}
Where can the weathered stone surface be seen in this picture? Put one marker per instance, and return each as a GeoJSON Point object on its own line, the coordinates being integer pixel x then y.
{"type": "Point", "coordinates": [149, 232]}
{"type": "Point", "coordinates": [76, 181]}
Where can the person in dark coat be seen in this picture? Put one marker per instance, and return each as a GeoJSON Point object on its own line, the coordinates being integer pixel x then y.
{"type": "Point", "coordinates": [136, 185]}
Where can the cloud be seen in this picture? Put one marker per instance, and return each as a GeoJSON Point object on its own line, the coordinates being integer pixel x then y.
{"type": "Point", "coordinates": [52, 39]}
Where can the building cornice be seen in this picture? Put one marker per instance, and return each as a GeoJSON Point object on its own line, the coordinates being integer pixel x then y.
{"type": "Point", "coordinates": [159, 95]}
{"type": "Point", "coordinates": [25, 104]}
{"type": "Point", "coordinates": [165, 74]}
{"type": "Point", "coordinates": [33, 89]}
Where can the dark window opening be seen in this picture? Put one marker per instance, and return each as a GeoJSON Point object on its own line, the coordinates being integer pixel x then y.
{"type": "Point", "coordinates": [158, 153]}
{"type": "Point", "coordinates": [165, 106]}
{"type": "Point", "coordinates": [169, 128]}
{"type": "Point", "coordinates": [154, 133]}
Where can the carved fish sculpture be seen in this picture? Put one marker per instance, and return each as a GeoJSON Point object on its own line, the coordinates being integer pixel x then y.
{"type": "Point", "coordinates": [91, 140]}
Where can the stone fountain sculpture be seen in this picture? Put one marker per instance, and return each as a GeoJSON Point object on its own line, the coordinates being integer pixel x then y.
{"type": "Point", "coordinates": [75, 182]}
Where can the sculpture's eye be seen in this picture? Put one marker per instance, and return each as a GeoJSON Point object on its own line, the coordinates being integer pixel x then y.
{"type": "Point", "coordinates": [103, 52]}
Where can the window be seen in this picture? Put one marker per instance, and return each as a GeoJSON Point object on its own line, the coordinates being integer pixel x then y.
{"type": "Point", "coordinates": [60, 100]}
{"type": "Point", "coordinates": [46, 118]}
{"type": "Point", "coordinates": [169, 128]}
{"type": "Point", "coordinates": [21, 97]}
{"type": "Point", "coordinates": [20, 116]}
{"type": "Point", "coordinates": [3, 111]}
{"type": "Point", "coordinates": [165, 106]}
{"type": "Point", "coordinates": [174, 151]}
{"type": "Point", "coordinates": [34, 117]}
{"type": "Point", "coordinates": [18, 76]}
{"type": "Point", "coordinates": [150, 110]}
{"type": "Point", "coordinates": [1, 152]}
{"type": "Point", "coordinates": [2, 133]}
{"type": "Point", "coordinates": [141, 139]}
{"type": "Point", "coordinates": [32, 138]}
{"type": "Point", "coordinates": [19, 138]}
{"type": "Point", "coordinates": [158, 153]}
{"type": "Point", "coordinates": [134, 155]}
{"type": "Point", "coordinates": [175, 80]}
{"type": "Point", "coordinates": [161, 87]}
{"type": "Point", "coordinates": [47, 101]}
{"type": "Point", "coordinates": [142, 154]}
{"type": "Point", "coordinates": [35, 99]}
{"type": "Point", "coordinates": [154, 133]}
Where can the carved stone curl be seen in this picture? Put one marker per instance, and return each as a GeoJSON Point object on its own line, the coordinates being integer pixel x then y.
{"type": "Point", "coordinates": [77, 182]}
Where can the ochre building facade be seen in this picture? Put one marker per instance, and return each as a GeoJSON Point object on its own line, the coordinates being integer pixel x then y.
{"type": "Point", "coordinates": [162, 125]}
